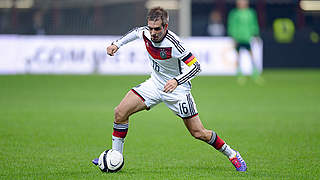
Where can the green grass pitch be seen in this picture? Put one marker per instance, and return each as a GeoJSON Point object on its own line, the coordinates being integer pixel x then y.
{"type": "Point", "coordinates": [51, 127]}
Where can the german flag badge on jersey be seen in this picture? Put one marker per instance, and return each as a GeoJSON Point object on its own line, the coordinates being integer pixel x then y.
{"type": "Point", "coordinates": [189, 59]}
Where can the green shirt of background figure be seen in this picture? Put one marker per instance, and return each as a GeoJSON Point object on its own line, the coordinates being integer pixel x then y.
{"type": "Point", "coordinates": [242, 27]}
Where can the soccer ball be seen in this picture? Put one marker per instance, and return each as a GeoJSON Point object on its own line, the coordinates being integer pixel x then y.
{"type": "Point", "coordinates": [110, 161]}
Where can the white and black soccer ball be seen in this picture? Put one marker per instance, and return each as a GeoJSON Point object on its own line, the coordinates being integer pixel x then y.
{"type": "Point", "coordinates": [110, 161]}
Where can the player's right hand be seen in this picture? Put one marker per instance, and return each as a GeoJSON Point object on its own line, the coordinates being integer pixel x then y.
{"type": "Point", "coordinates": [112, 49]}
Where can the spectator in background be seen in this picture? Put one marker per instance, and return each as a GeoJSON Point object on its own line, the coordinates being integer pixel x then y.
{"type": "Point", "coordinates": [38, 26]}
{"type": "Point", "coordinates": [215, 24]}
{"type": "Point", "coordinates": [242, 27]}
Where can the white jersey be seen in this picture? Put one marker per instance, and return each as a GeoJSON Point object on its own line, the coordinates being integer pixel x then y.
{"type": "Point", "coordinates": [169, 58]}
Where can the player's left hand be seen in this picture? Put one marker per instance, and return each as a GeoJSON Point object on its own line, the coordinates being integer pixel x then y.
{"type": "Point", "coordinates": [170, 86]}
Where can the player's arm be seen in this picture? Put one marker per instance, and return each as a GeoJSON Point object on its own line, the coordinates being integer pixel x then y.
{"type": "Point", "coordinates": [255, 25]}
{"type": "Point", "coordinates": [130, 36]}
{"type": "Point", "coordinates": [194, 69]}
{"type": "Point", "coordinates": [232, 24]}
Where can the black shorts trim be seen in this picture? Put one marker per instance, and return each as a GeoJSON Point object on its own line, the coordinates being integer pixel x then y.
{"type": "Point", "coordinates": [243, 45]}
{"type": "Point", "coordinates": [189, 116]}
{"type": "Point", "coordinates": [142, 99]}
{"type": "Point", "coordinates": [134, 91]}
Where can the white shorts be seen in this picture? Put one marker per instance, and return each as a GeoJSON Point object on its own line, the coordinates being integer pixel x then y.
{"type": "Point", "coordinates": [180, 101]}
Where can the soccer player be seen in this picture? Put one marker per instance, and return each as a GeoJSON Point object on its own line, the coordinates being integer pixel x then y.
{"type": "Point", "coordinates": [242, 27]}
{"type": "Point", "coordinates": [173, 66]}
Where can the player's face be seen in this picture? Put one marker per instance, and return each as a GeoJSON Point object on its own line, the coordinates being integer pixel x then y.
{"type": "Point", "coordinates": [156, 30]}
{"type": "Point", "coordinates": [242, 4]}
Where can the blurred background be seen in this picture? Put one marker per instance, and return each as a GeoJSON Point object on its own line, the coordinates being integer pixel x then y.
{"type": "Point", "coordinates": [54, 125]}
{"type": "Point", "coordinates": [291, 43]}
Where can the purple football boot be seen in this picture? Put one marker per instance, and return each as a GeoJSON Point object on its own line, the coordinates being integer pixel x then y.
{"type": "Point", "coordinates": [238, 162]}
{"type": "Point", "coordinates": [95, 161]}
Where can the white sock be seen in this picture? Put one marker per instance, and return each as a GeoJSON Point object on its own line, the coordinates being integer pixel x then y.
{"type": "Point", "coordinates": [117, 143]}
{"type": "Point", "coordinates": [226, 150]}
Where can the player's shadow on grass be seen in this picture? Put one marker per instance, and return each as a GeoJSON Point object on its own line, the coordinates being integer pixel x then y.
{"type": "Point", "coordinates": [186, 169]}
{"type": "Point", "coordinates": [189, 172]}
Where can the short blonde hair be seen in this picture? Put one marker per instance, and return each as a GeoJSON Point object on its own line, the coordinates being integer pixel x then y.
{"type": "Point", "coordinates": [158, 13]}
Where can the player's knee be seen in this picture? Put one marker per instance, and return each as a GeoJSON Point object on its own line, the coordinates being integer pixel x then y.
{"type": "Point", "coordinates": [119, 115]}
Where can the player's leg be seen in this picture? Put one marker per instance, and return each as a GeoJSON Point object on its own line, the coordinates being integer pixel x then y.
{"type": "Point", "coordinates": [238, 63]}
{"type": "Point", "coordinates": [129, 105]}
{"type": "Point", "coordinates": [141, 97]}
{"type": "Point", "coordinates": [182, 104]}
{"type": "Point", "coordinates": [241, 79]}
{"type": "Point", "coordinates": [137, 99]}
{"type": "Point", "coordinates": [198, 131]}
{"type": "Point", "coordinates": [255, 71]}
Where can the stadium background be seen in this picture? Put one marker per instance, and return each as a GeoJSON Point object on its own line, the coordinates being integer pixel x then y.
{"type": "Point", "coordinates": [51, 126]}
{"type": "Point", "coordinates": [111, 17]}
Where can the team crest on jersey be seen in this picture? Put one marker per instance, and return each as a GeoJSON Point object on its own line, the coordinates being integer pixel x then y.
{"type": "Point", "coordinates": [163, 54]}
